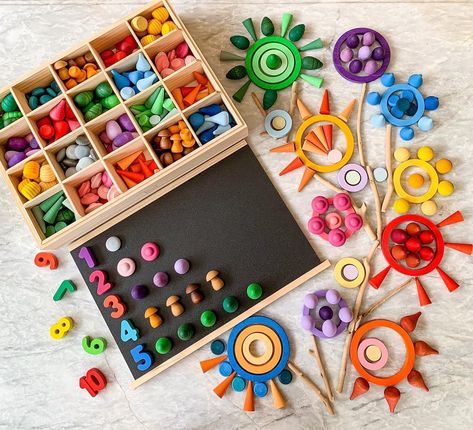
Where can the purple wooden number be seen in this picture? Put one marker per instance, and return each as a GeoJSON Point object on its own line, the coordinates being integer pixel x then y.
{"type": "Point", "coordinates": [87, 255]}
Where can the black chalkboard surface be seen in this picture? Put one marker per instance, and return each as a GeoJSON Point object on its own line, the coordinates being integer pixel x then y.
{"type": "Point", "coordinates": [229, 218]}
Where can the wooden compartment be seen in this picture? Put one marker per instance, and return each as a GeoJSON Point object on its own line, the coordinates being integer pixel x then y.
{"type": "Point", "coordinates": [3, 93]}
{"type": "Point", "coordinates": [170, 175]}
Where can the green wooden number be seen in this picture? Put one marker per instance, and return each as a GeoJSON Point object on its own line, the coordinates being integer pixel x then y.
{"type": "Point", "coordinates": [95, 345]}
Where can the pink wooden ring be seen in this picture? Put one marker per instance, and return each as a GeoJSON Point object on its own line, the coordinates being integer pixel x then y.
{"type": "Point", "coordinates": [377, 365]}
{"type": "Point", "coordinates": [126, 267]}
{"type": "Point", "coordinates": [150, 251]}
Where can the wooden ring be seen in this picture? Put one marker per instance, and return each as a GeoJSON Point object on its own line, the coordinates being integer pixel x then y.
{"type": "Point", "coordinates": [408, 362]}
{"type": "Point", "coordinates": [258, 360]}
{"type": "Point", "coordinates": [342, 280]}
{"type": "Point", "coordinates": [364, 359]}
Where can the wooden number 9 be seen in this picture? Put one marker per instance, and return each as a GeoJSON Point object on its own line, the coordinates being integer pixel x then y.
{"type": "Point", "coordinates": [114, 301]}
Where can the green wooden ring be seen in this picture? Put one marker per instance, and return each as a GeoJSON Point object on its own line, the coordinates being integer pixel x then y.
{"type": "Point", "coordinates": [261, 70]}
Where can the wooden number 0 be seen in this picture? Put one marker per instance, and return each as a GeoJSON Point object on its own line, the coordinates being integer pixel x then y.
{"type": "Point", "coordinates": [100, 277]}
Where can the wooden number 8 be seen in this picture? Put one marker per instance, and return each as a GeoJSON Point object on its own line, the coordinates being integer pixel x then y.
{"type": "Point", "coordinates": [61, 328]}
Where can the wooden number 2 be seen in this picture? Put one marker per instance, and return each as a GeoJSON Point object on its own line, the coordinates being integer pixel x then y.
{"type": "Point", "coordinates": [100, 277]}
{"type": "Point", "coordinates": [114, 301]}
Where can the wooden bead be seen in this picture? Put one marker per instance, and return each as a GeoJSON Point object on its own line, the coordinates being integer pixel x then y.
{"type": "Point", "coordinates": [139, 24]}
{"type": "Point", "coordinates": [154, 27]}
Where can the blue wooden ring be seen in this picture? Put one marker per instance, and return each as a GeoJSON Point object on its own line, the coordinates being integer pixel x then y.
{"type": "Point", "coordinates": [402, 122]}
{"type": "Point", "coordinates": [277, 134]}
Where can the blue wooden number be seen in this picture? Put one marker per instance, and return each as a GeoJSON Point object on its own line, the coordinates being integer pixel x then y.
{"type": "Point", "coordinates": [142, 358]}
{"type": "Point", "coordinates": [128, 331]}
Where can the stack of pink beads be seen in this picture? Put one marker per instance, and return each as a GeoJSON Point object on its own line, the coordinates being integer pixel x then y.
{"type": "Point", "coordinates": [96, 191]}
{"type": "Point", "coordinates": [168, 63]}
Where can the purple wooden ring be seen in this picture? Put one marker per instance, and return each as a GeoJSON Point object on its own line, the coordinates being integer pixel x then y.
{"type": "Point", "coordinates": [340, 328]}
{"type": "Point", "coordinates": [347, 74]}
{"type": "Point", "coordinates": [352, 188]}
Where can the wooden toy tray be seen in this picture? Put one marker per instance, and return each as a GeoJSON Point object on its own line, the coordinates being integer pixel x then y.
{"type": "Point", "coordinates": [85, 223]}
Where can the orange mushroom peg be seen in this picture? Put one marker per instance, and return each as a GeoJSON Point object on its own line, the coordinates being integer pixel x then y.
{"type": "Point", "coordinates": [176, 306]}
{"type": "Point", "coordinates": [155, 319]}
{"type": "Point", "coordinates": [215, 280]}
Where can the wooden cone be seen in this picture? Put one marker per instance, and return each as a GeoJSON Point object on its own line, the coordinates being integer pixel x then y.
{"type": "Point", "coordinates": [278, 399]}
{"type": "Point", "coordinates": [206, 365]}
{"type": "Point", "coordinates": [392, 396]}
{"type": "Point", "coordinates": [452, 219]}
{"type": "Point", "coordinates": [129, 183]}
{"type": "Point", "coordinates": [416, 380]}
{"type": "Point", "coordinates": [306, 177]}
{"type": "Point", "coordinates": [287, 147]}
{"type": "Point", "coordinates": [450, 283]}
{"type": "Point", "coordinates": [249, 405]}
{"type": "Point", "coordinates": [177, 94]}
{"type": "Point", "coordinates": [361, 386]}
{"type": "Point", "coordinates": [466, 248]}
{"type": "Point", "coordinates": [312, 138]}
{"type": "Point", "coordinates": [378, 279]}
{"type": "Point", "coordinates": [192, 96]}
{"type": "Point", "coordinates": [424, 299]}
{"type": "Point", "coordinates": [309, 146]}
{"type": "Point", "coordinates": [303, 110]}
{"type": "Point", "coordinates": [126, 162]}
{"type": "Point", "coordinates": [328, 132]}
{"type": "Point", "coordinates": [325, 105]}
{"type": "Point", "coordinates": [423, 348]}
{"type": "Point", "coordinates": [319, 132]}
{"type": "Point", "coordinates": [220, 389]}
{"type": "Point", "coordinates": [409, 322]}
{"type": "Point", "coordinates": [345, 114]}
{"type": "Point", "coordinates": [293, 165]}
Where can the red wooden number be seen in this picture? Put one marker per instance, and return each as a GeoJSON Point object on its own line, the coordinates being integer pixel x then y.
{"type": "Point", "coordinates": [100, 277]}
{"type": "Point", "coordinates": [114, 301]}
{"type": "Point", "coordinates": [94, 381]}
{"type": "Point", "coordinates": [46, 259]}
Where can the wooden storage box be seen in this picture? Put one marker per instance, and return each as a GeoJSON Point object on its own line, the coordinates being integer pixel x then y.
{"type": "Point", "coordinates": [43, 76]}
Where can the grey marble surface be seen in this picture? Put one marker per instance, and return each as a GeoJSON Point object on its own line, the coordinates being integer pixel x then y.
{"type": "Point", "coordinates": [39, 377]}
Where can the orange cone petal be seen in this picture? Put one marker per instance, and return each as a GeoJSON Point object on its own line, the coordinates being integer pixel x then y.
{"type": "Point", "coordinates": [361, 386]}
{"type": "Point", "coordinates": [416, 380]}
{"type": "Point", "coordinates": [306, 177]}
{"type": "Point", "coordinates": [287, 147]}
{"type": "Point", "coordinates": [345, 114]}
{"type": "Point", "coordinates": [392, 396]}
{"type": "Point", "coordinates": [278, 399]}
{"type": "Point", "coordinates": [319, 132]}
{"type": "Point", "coordinates": [328, 131]}
{"type": "Point", "coordinates": [424, 299]}
{"type": "Point", "coordinates": [206, 365]}
{"type": "Point", "coordinates": [249, 405]}
{"type": "Point", "coordinates": [309, 146]}
{"type": "Point", "coordinates": [325, 105]}
{"type": "Point", "coordinates": [450, 283]}
{"type": "Point", "coordinates": [220, 389]}
{"type": "Point", "coordinates": [312, 138]}
{"type": "Point", "coordinates": [409, 322]}
{"type": "Point", "coordinates": [423, 348]}
{"type": "Point", "coordinates": [303, 110]}
{"type": "Point", "coordinates": [466, 248]}
{"type": "Point", "coordinates": [378, 279]}
{"type": "Point", "coordinates": [293, 165]}
{"type": "Point", "coordinates": [452, 219]}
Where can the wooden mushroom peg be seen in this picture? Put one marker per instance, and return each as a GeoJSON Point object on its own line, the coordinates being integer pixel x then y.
{"type": "Point", "coordinates": [175, 305]}
{"type": "Point", "coordinates": [214, 279]}
{"type": "Point", "coordinates": [155, 319]}
{"type": "Point", "coordinates": [195, 294]}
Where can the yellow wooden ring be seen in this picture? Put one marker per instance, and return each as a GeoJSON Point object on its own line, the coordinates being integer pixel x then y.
{"type": "Point", "coordinates": [434, 180]}
{"type": "Point", "coordinates": [342, 125]}
{"type": "Point", "coordinates": [255, 359]}
{"type": "Point", "coordinates": [338, 272]}
{"type": "Point", "coordinates": [269, 365]}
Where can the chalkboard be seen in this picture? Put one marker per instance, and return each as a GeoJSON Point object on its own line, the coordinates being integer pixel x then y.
{"type": "Point", "coordinates": [229, 218]}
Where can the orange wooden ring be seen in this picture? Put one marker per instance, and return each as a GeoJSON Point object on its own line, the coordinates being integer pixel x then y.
{"type": "Point", "coordinates": [410, 353]}
{"type": "Point", "coordinates": [267, 354]}
{"type": "Point", "coordinates": [271, 363]}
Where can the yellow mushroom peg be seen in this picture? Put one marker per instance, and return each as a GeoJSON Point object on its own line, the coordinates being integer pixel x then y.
{"type": "Point", "coordinates": [215, 280]}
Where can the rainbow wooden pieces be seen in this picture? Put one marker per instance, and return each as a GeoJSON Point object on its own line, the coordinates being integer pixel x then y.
{"type": "Point", "coordinates": [403, 105]}
{"type": "Point", "coordinates": [119, 51]}
{"type": "Point", "coordinates": [36, 178]}
{"type": "Point", "coordinates": [95, 102]}
{"type": "Point", "coordinates": [9, 111]}
{"type": "Point", "coordinates": [349, 272]}
{"type": "Point", "coordinates": [65, 287]}
{"type": "Point", "coordinates": [370, 354]}
{"type": "Point", "coordinates": [59, 122]}
{"type": "Point", "coordinates": [135, 168]}
{"type": "Point", "coordinates": [96, 191]}
{"type": "Point", "coordinates": [361, 55]}
{"type": "Point", "coordinates": [76, 156]}
{"type": "Point", "coordinates": [175, 59]}
{"type": "Point", "coordinates": [422, 164]}
{"type": "Point", "coordinates": [314, 139]}
{"type": "Point", "coordinates": [150, 27]}
{"type": "Point", "coordinates": [174, 142]}
{"type": "Point", "coordinates": [328, 225]}
{"type": "Point", "coordinates": [211, 121]}
{"type": "Point", "coordinates": [18, 148]}
{"type": "Point", "coordinates": [94, 381]}
{"type": "Point", "coordinates": [156, 109]}
{"type": "Point", "coordinates": [53, 214]}
{"type": "Point", "coordinates": [272, 62]}
{"type": "Point", "coordinates": [414, 246]}
{"type": "Point", "coordinates": [61, 328]}
{"type": "Point", "coordinates": [46, 259]}
{"type": "Point", "coordinates": [197, 89]}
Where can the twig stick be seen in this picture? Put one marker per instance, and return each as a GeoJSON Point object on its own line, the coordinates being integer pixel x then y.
{"type": "Point", "coordinates": [358, 124]}
{"type": "Point", "coordinates": [377, 203]}
{"type": "Point", "coordinates": [356, 310]}
{"type": "Point", "coordinates": [328, 184]}
{"type": "Point", "coordinates": [312, 386]}
{"type": "Point", "coordinates": [389, 168]}
{"type": "Point", "coordinates": [316, 354]}
{"type": "Point", "coordinates": [361, 210]}
{"type": "Point", "coordinates": [292, 107]}
{"type": "Point", "coordinates": [258, 104]}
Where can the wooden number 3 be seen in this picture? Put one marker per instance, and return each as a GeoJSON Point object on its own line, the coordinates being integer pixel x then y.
{"type": "Point", "coordinates": [114, 301]}
{"type": "Point", "coordinates": [100, 277]}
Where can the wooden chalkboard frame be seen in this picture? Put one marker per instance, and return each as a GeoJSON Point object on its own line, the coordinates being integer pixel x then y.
{"type": "Point", "coordinates": [227, 325]}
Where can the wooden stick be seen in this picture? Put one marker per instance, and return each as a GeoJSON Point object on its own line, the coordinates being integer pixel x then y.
{"type": "Point", "coordinates": [358, 125]}
{"type": "Point", "coordinates": [323, 373]}
{"type": "Point", "coordinates": [361, 210]}
{"type": "Point", "coordinates": [389, 168]}
{"type": "Point", "coordinates": [292, 107]}
{"type": "Point", "coordinates": [377, 203]}
{"type": "Point", "coordinates": [258, 104]}
{"type": "Point", "coordinates": [356, 310]}
{"type": "Point", "coordinates": [312, 386]}
{"type": "Point", "coordinates": [328, 184]}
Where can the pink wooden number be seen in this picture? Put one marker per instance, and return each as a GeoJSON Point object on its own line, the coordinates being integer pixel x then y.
{"type": "Point", "coordinates": [89, 257]}
{"type": "Point", "coordinates": [100, 277]}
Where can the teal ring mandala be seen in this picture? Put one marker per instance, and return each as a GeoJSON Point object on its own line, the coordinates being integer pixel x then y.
{"type": "Point", "coordinates": [257, 70]}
